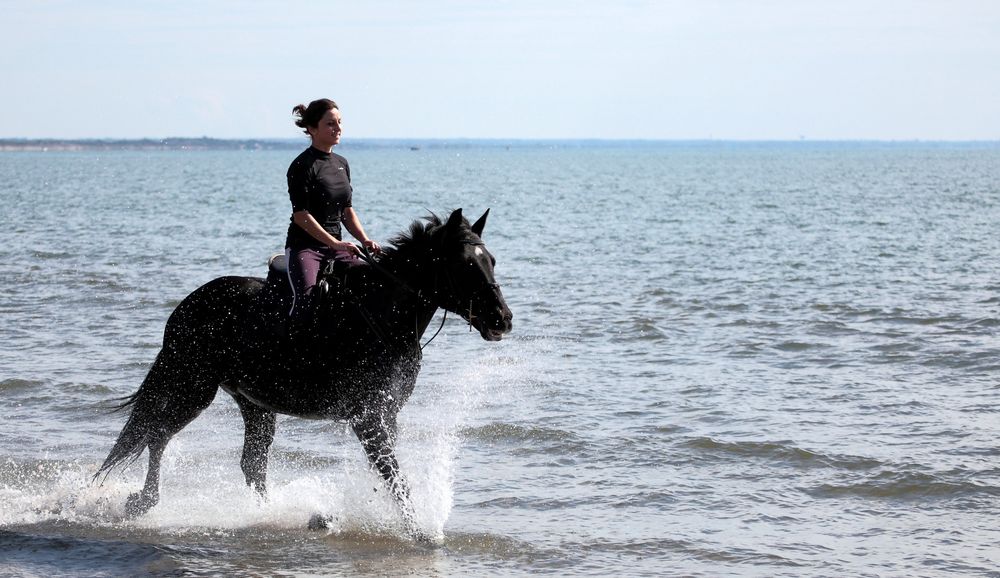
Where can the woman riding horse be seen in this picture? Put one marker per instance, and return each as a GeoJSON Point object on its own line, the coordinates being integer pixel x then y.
{"type": "Point", "coordinates": [363, 359]}
{"type": "Point", "coordinates": [319, 186]}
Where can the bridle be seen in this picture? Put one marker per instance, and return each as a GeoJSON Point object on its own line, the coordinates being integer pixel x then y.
{"type": "Point", "coordinates": [434, 300]}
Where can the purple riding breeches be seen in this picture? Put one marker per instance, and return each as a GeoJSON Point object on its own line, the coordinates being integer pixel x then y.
{"type": "Point", "coordinates": [303, 270]}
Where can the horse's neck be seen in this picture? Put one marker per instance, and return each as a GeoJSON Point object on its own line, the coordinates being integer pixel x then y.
{"type": "Point", "coordinates": [404, 293]}
{"type": "Point", "coordinates": [408, 266]}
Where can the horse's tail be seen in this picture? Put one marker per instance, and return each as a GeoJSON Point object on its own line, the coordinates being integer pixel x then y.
{"type": "Point", "coordinates": [148, 404]}
{"type": "Point", "coordinates": [186, 374]}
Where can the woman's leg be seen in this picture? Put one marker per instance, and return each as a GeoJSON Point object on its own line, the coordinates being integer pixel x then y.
{"type": "Point", "coordinates": [303, 270]}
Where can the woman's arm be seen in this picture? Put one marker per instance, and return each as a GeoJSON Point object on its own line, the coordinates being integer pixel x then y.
{"type": "Point", "coordinates": [353, 224]}
{"type": "Point", "coordinates": [310, 225]}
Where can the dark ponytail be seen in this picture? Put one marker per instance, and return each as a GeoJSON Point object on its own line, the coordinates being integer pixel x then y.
{"type": "Point", "coordinates": [312, 114]}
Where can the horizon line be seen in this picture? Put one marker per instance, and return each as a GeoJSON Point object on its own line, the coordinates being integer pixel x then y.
{"type": "Point", "coordinates": [301, 140]}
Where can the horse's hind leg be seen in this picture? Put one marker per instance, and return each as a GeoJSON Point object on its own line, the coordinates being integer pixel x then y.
{"type": "Point", "coordinates": [259, 425]}
{"type": "Point", "coordinates": [169, 400]}
{"type": "Point", "coordinates": [140, 502]}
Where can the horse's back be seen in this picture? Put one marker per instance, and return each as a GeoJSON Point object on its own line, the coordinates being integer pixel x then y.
{"type": "Point", "coordinates": [219, 309]}
{"type": "Point", "coordinates": [223, 292]}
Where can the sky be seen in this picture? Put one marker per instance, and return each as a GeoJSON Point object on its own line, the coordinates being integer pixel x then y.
{"type": "Point", "coordinates": [504, 69]}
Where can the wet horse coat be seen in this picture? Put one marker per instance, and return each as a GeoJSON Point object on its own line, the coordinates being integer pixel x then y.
{"type": "Point", "coordinates": [357, 362]}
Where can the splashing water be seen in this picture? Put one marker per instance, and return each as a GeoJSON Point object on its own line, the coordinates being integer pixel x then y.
{"type": "Point", "coordinates": [311, 472]}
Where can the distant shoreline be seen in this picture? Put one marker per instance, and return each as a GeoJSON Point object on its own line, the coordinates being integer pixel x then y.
{"type": "Point", "coordinates": [214, 144]}
{"type": "Point", "coordinates": [166, 144]}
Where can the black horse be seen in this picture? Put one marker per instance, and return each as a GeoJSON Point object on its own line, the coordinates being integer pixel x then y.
{"type": "Point", "coordinates": [358, 361]}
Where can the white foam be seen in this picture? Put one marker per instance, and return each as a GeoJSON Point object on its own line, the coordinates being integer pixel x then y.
{"type": "Point", "coordinates": [202, 485]}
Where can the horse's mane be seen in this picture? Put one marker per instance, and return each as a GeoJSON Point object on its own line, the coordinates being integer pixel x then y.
{"type": "Point", "coordinates": [419, 235]}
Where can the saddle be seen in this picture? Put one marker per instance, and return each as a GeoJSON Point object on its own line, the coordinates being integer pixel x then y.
{"type": "Point", "coordinates": [277, 271]}
{"type": "Point", "coordinates": [331, 272]}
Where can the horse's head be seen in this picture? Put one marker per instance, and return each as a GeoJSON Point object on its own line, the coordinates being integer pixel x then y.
{"type": "Point", "coordinates": [465, 284]}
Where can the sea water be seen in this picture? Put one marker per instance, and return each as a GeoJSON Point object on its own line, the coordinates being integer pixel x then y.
{"type": "Point", "coordinates": [728, 359]}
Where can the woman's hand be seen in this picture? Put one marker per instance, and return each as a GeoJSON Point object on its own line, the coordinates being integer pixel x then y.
{"type": "Point", "coordinates": [349, 248]}
{"type": "Point", "coordinates": [372, 246]}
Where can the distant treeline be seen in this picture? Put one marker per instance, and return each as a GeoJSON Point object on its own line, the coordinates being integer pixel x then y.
{"type": "Point", "coordinates": [215, 144]}
{"type": "Point", "coordinates": [194, 144]}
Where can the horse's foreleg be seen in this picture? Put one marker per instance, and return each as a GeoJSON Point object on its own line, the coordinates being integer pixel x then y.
{"type": "Point", "coordinates": [378, 439]}
{"type": "Point", "coordinates": [259, 425]}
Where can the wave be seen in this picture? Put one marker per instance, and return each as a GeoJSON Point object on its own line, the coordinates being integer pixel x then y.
{"type": "Point", "coordinates": [707, 552]}
{"type": "Point", "coordinates": [782, 451]}
{"type": "Point", "coordinates": [14, 384]}
{"type": "Point", "coordinates": [902, 317]}
{"type": "Point", "coordinates": [46, 255]}
{"type": "Point", "coordinates": [907, 485]}
{"type": "Point", "coordinates": [889, 316]}
{"type": "Point", "coordinates": [796, 346]}
{"type": "Point", "coordinates": [499, 432]}
{"type": "Point", "coordinates": [656, 499]}
{"type": "Point", "coordinates": [644, 329]}
{"type": "Point", "coordinates": [60, 555]}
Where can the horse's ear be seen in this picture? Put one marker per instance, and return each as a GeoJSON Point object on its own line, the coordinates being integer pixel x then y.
{"type": "Point", "coordinates": [454, 221]}
{"type": "Point", "coordinates": [478, 226]}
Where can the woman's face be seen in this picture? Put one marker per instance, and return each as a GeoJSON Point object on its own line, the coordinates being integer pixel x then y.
{"type": "Point", "coordinates": [326, 134]}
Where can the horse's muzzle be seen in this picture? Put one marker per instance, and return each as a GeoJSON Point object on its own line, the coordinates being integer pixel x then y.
{"type": "Point", "coordinates": [495, 326]}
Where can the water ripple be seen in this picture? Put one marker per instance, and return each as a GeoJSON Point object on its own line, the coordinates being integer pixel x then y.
{"type": "Point", "coordinates": [907, 485]}
{"type": "Point", "coordinates": [784, 451]}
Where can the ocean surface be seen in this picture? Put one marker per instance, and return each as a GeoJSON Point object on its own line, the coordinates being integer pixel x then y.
{"type": "Point", "coordinates": [728, 359]}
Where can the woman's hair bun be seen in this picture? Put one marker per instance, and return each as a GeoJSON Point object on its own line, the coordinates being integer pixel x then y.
{"type": "Point", "coordinates": [312, 114]}
{"type": "Point", "coordinates": [299, 110]}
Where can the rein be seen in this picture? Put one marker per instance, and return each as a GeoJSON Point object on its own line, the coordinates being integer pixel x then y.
{"type": "Point", "coordinates": [366, 256]}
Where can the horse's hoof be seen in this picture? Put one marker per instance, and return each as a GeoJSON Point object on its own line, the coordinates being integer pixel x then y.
{"type": "Point", "coordinates": [419, 536]}
{"type": "Point", "coordinates": [320, 522]}
{"type": "Point", "coordinates": [424, 539]}
{"type": "Point", "coordinates": [259, 489]}
{"type": "Point", "coordinates": [138, 504]}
